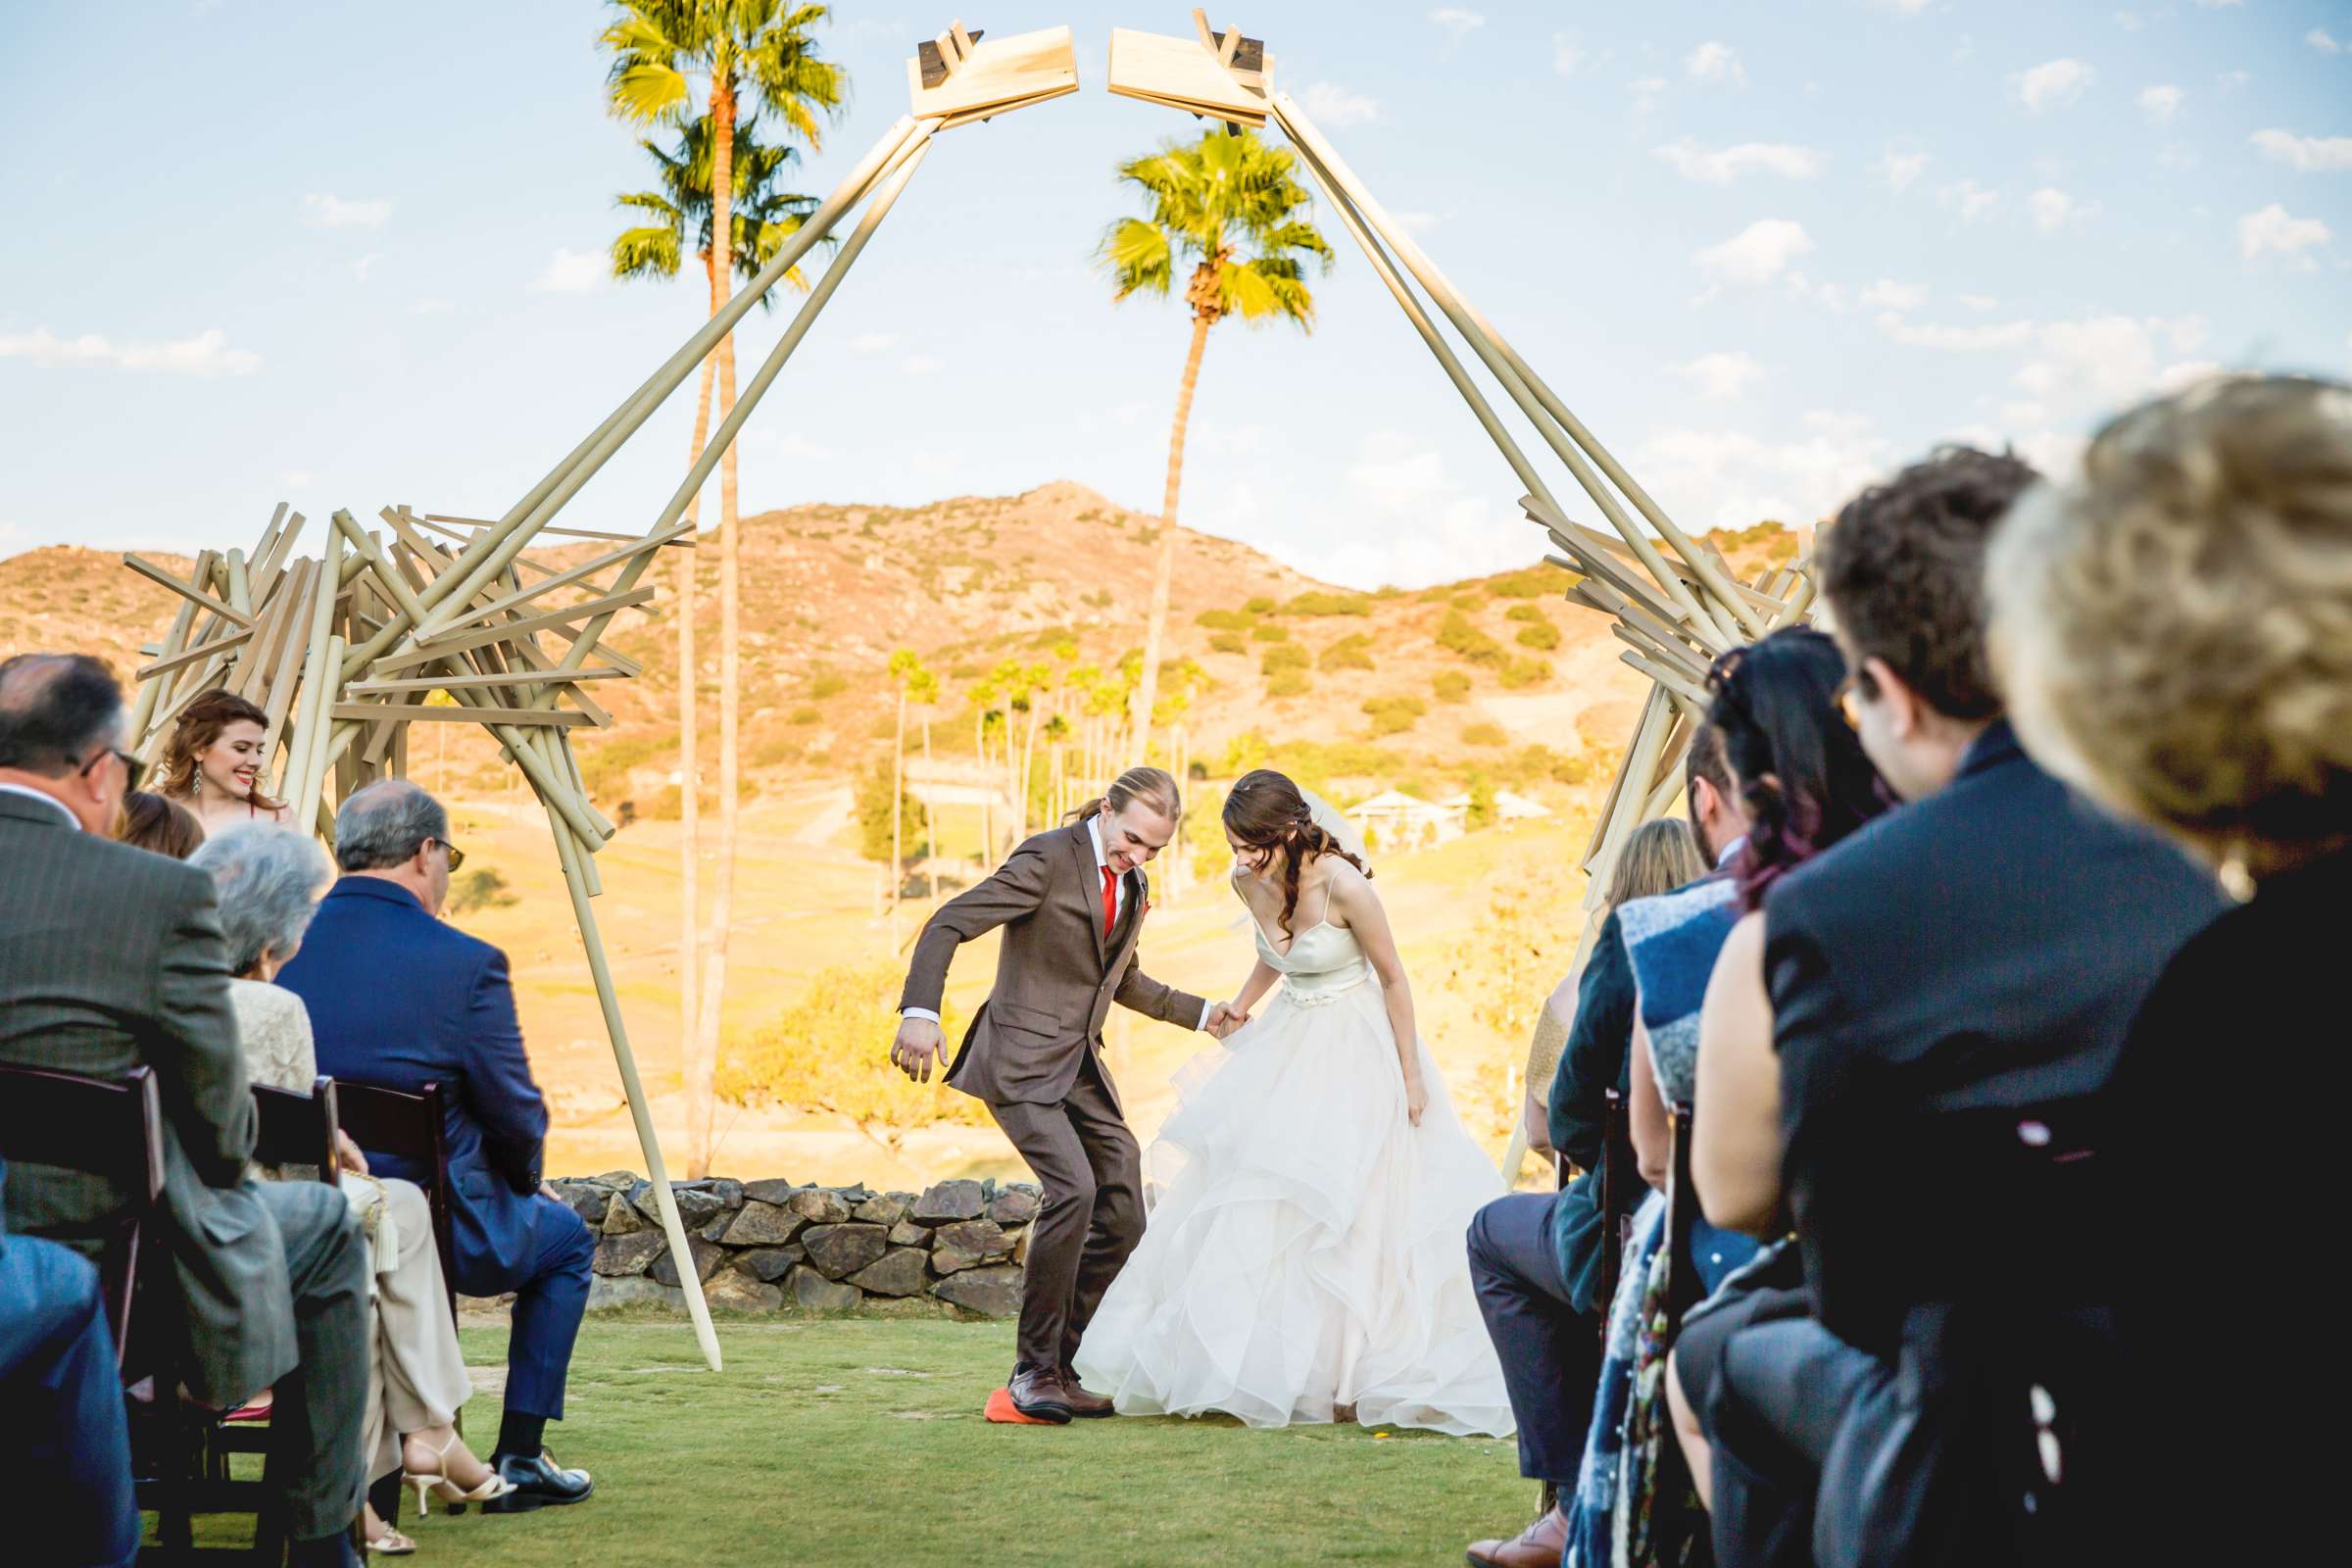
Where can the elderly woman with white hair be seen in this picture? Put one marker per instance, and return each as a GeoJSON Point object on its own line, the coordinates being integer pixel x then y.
{"type": "Point", "coordinates": [270, 879]}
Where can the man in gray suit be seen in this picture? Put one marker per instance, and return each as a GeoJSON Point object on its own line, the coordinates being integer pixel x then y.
{"type": "Point", "coordinates": [112, 958]}
{"type": "Point", "coordinates": [1071, 903]}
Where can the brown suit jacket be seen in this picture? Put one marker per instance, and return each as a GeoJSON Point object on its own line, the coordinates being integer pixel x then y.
{"type": "Point", "coordinates": [1057, 974]}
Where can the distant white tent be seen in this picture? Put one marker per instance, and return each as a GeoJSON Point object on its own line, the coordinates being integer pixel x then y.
{"type": "Point", "coordinates": [1510, 806]}
{"type": "Point", "coordinates": [1396, 820]}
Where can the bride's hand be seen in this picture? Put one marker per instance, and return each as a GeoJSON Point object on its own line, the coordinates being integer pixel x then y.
{"type": "Point", "coordinates": [1416, 1099]}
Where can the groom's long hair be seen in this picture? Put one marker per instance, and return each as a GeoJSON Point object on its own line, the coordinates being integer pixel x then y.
{"type": "Point", "coordinates": [1267, 812]}
{"type": "Point", "coordinates": [1154, 787]}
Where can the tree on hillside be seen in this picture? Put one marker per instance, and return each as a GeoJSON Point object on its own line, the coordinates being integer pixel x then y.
{"type": "Point", "coordinates": [923, 692]}
{"type": "Point", "coordinates": [1228, 205]}
{"type": "Point", "coordinates": [904, 669]}
{"type": "Point", "coordinates": [747, 58]}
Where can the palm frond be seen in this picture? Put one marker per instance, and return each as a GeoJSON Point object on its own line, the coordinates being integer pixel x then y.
{"type": "Point", "coordinates": [1138, 257]}
{"type": "Point", "coordinates": [646, 252]}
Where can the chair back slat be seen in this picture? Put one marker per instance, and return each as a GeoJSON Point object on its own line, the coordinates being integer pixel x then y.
{"type": "Point", "coordinates": [410, 1127]}
{"type": "Point", "coordinates": [112, 1128]}
{"type": "Point", "coordinates": [1684, 1290]}
{"type": "Point", "coordinates": [1621, 1191]}
{"type": "Point", "coordinates": [297, 1129]}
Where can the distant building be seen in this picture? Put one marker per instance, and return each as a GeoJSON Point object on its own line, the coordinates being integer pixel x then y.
{"type": "Point", "coordinates": [1510, 807]}
{"type": "Point", "coordinates": [1396, 820]}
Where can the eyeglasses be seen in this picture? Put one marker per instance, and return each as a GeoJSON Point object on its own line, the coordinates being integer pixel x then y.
{"type": "Point", "coordinates": [134, 770]}
{"type": "Point", "coordinates": [456, 856]}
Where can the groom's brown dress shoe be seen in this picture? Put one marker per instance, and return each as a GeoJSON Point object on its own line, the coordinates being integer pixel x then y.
{"type": "Point", "coordinates": [1038, 1394]}
{"type": "Point", "coordinates": [1541, 1546]}
{"type": "Point", "coordinates": [1084, 1405]}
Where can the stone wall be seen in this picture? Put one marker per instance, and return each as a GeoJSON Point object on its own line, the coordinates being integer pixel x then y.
{"type": "Point", "coordinates": [952, 1249]}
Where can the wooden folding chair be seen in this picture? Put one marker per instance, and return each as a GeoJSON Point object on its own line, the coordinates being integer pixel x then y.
{"type": "Point", "coordinates": [410, 1127]}
{"type": "Point", "coordinates": [110, 1128]}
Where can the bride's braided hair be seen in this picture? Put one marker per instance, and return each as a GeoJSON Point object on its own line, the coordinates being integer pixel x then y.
{"type": "Point", "coordinates": [1267, 812]}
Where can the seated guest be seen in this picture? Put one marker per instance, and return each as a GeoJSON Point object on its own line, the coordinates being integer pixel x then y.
{"type": "Point", "coordinates": [151, 822]}
{"type": "Point", "coordinates": [1803, 784]}
{"type": "Point", "coordinates": [213, 762]}
{"type": "Point", "coordinates": [451, 1021]}
{"type": "Point", "coordinates": [1983, 947]}
{"type": "Point", "coordinates": [2174, 634]}
{"type": "Point", "coordinates": [270, 880]}
{"type": "Point", "coordinates": [65, 1447]}
{"type": "Point", "coordinates": [110, 959]}
{"type": "Point", "coordinates": [1535, 1257]}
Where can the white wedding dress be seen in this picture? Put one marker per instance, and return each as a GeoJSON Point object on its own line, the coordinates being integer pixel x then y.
{"type": "Point", "coordinates": [1306, 1247]}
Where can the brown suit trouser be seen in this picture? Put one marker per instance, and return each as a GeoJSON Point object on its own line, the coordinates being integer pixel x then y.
{"type": "Point", "coordinates": [1090, 1218]}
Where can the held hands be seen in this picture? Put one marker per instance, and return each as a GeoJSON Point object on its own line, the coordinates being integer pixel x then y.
{"type": "Point", "coordinates": [1223, 1020]}
{"type": "Point", "coordinates": [918, 1044]}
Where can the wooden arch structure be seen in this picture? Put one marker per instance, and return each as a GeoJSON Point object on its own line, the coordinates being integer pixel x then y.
{"type": "Point", "coordinates": [343, 651]}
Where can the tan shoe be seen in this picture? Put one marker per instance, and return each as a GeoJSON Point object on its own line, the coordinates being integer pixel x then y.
{"type": "Point", "coordinates": [1084, 1405]}
{"type": "Point", "coordinates": [1540, 1546]}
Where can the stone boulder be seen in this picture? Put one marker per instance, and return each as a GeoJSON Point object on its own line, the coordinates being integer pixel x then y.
{"type": "Point", "coordinates": [707, 1255]}
{"type": "Point", "coordinates": [774, 1189]}
{"type": "Point", "coordinates": [698, 1206]}
{"type": "Point", "coordinates": [741, 1292]}
{"type": "Point", "coordinates": [885, 1209]}
{"type": "Point", "coordinates": [817, 1293]}
{"type": "Point", "coordinates": [587, 1200]}
{"type": "Point", "coordinates": [948, 1202]}
{"type": "Point", "coordinates": [900, 1273]}
{"type": "Point", "coordinates": [618, 1256]}
{"type": "Point", "coordinates": [1015, 1205]}
{"type": "Point", "coordinates": [993, 1292]}
{"type": "Point", "coordinates": [906, 1233]}
{"type": "Point", "coordinates": [967, 1244]}
{"type": "Point", "coordinates": [621, 1216]}
{"type": "Point", "coordinates": [769, 1264]}
{"type": "Point", "coordinates": [759, 1224]}
{"type": "Point", "coordinates": [635, 1290]}
{"type": "Point", "coordinates": [840, 1251]}
{"type": "Point", "coordinates": [818, 1206]}
{"type": "Point", "coordinates": [613, 1181]}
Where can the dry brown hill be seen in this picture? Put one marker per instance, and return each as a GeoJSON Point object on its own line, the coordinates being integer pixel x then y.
{"type": "Point", "coordinates": [1467, 676]}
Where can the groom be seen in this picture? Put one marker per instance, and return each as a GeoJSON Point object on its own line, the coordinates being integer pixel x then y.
{"type": "Point", "coordinates": [1071, 903]}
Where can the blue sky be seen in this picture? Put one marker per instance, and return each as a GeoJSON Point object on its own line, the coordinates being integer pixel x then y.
{"type": "Point", "coordinates": [345, 255]}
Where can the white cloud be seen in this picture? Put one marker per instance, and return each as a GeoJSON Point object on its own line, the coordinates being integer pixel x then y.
{"type": "Point", "coordinates": [873, 342]}
{"type": "Point", "coordinates": [920, 364]}
{"type": "Point", "coordinates": [323, 211]}
{"type": "Point", "coordinates": [1402, 518]}
{"type": "Point", "coordinates": [2324, 42]}
{"type": "Point", "coordinates": [1720, 166]}
{"type": "Point", "coordinates": [1985, 338]}
{"type": "Point", "coordinates": [2021, 413]}
{"type": "Point", "coordinates": [1331, 105]}
{"type": "Point", "coordinates": [1908, 8]}
{"type": "Point", "coordinates": [1720, 377]}
{"type": "Point", "coordinates": [2128, 21]}
{"type": "Point", "coordinates": [294, 478]}
{"type": "Point", "coordinates": [2051, 208]}
{"type": "Point", "coordinates": [569, 271]}
{"type": "Point", "coordinates": [2308, 155]}
{"type": "Point", "coordinates": [1757, 254]}
{"type": "Point", "coordinates": [1732, 479]}
{"type": "Point", "coordinates": [2160, 102]}
{"type": "Point", "coordinates": [1456, 23]}
{"type": "Point", "coordinates": [1900, 170]}
{"type": "Point", "coordinates": [1970, 200]}
{"type": "Point", "coordinates": [1646, 90]}
{"type": "Point", "coordinates": [359, 269]}
{"type": "Point", "coordinates": [2234, 80]}
{"type": "Point", "coordinates": [1979, 302]}
{"type": "Point", "coordinates": [2273, 229]}
{"type": "Point", "coordinates": [2218, 5]}
{"type": "Point", "coordinates": [1889, 295]}
{"type": "Point", "coordinates": [2052, 84]}
{"type": "Point", "coordinates": [2099, 363]}
{"type": "Point", "coordinates": [1717, 64]}
{"type": "Point", "coordinates": [1415, 222]}
{"type": "Point", "coordinates": [1567, 54]}
{"type": "Point", "coordinates": [429, 307]}
{"type": "Point", "coordinates": [206, 354]}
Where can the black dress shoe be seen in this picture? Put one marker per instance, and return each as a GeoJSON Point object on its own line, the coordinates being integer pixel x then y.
{"type": "Point", "coordinates": [1037, 1394]}
{"type": "Point", "coordinates": [538, 1482]}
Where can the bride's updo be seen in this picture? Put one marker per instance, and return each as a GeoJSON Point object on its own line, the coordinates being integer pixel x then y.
{"type": "Point", "coordinates": [1267, 812]}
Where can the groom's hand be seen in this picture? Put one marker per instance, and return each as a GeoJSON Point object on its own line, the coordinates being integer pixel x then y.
{"type": "Point", "coordinates": [1224, 1018]}
{"type": "Point", "coordinates": [919, 1041]}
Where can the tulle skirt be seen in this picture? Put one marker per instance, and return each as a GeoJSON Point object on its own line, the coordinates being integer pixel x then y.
{"type": "Point", "coordinates": [1305, 1247]}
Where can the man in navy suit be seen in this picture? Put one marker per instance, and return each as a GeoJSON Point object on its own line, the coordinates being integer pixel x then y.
{"type": "Point", "coordinates": [400, 1000]}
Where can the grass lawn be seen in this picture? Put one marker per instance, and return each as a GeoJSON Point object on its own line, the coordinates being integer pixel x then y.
{"type": "Point", "coordinates": [851, 1441]}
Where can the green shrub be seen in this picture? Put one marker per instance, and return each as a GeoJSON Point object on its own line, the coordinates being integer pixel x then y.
{"type": "Point", "coordinates": [1349, 653]}
{"type": "Point", "coordinates": [1288, 683]}
{"type": "Point", "coordinates": [825, 683]}
{"type": "Point", "coordinates": [1268, 632]}
{"type": "Point", "coordinates": [1260, 605]}
{"type": "Point", "coordinates": [1451, 686]}
{"type": "Point", "coordinates": [1484, 735]}
{"type": "Point", "coordinates": [873, 817]}
{"type": "Point", "coordinates": [1394, 716]}
{"type": "Point", "coordinates": [1456, 635]}
{"type": "Point", "coordinates": [1469, 601]}
{"type": "Point", "coordinates": [1534, 582]}
{"type": "Point", "coordinates": [1523, 612]}
{"type": "Point", "coordinates": [1434, 595]}
{"type": "Point", "coordinates": [1520, 673]}
{"type": "Point", "coordinates": [1541, 634]}
{"type": "Point", "coordinates": [1224, 620]}
{"type": "Point", "coordinates": [1285, 656]}
{"type": "Point", "coordinates": [484, 889]}
{"type": "Point", "coordinates": [805, 715]}
{"type": "Point", "coordinates": [1227, 642]}
{"type": "Point", "coordinates": [1323, 604]}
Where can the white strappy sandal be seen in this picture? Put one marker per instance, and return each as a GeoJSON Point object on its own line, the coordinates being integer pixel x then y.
{"type": "Point", "coordinates": [437, 1481]}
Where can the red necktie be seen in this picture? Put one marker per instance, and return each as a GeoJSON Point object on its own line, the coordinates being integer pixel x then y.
{"type": "Point", "coordinates": [1110, 900]}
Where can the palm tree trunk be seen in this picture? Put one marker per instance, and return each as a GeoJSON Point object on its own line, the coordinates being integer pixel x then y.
{"type": "Point", "coordinates": [897, 816]}
{"type": "Point", "coordinates": [690, 780]}
{"type": "Point", "coordinates": [1147, 689]}
{"type": "Point", "coordinates": [701, 1101]}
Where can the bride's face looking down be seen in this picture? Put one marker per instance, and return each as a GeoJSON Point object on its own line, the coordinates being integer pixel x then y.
{"type": "Point", "coordinates": [1254, 859]}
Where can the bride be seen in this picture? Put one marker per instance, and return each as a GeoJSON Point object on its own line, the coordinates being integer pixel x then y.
{"type": "Point", "coordinates": [1304, 1262]}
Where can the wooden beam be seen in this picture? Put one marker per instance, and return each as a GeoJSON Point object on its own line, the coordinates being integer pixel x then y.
{"type": "Point", "coordinates": [436, 683]}
{"type": "Point", "coordinates": [154, 574]}
{"type": "Point", "coordinates": [545, 621]}
{"type": "Point", "coordinates": [414, 712]}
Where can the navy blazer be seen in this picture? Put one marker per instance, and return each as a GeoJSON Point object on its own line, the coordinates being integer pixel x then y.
{"type": "Point", "coordinates": [401, 1000]}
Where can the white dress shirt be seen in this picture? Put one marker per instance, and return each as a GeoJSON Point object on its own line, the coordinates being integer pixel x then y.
{"type": "Point", "coordinates": [1094, 836]}
{"type": "Point", "coordinates": [50, 800]}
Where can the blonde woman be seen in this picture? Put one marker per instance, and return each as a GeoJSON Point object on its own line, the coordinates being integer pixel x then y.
{"type": "Point", "coordinates": [213, 762]}
{"type": "Point", "coordinates": [2175, 631]}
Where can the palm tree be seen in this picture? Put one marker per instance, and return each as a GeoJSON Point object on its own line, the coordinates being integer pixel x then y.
{"type": "Point", "coordinates": [905, 670]}
{"type": "Point", "coordinates": [763, 219]}
{"type": "Point", "coordinates": [1229, 206]}
{"type": "Point", "coordinates": [922, 690]}
{"type": "Point", "coordinates": [749, 57]}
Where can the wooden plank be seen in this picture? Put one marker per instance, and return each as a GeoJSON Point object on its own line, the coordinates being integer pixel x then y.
{"type": "Point", "coordinates": [192, 654]}
{"type": "Point", "coordinates": [562, 533]}
{"type": "Point", "coordinates": [997, 75]}
{"type": "Point", "coordinates": [435, 683]}
{"type": "Point", "coordinates": [545, 621]}
{"type": "Point", "coordinates": [586, 568]}
{"type": "Point", "coordinates": [1183, 73]}
{"type": "Point", "coordinates": [418, 712]}
{"type": "Point", "coordinates": [204, 600]}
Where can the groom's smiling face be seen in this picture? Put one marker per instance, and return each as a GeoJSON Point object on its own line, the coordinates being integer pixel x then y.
{"type": "Point", "coordinates": [1133, 836]}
